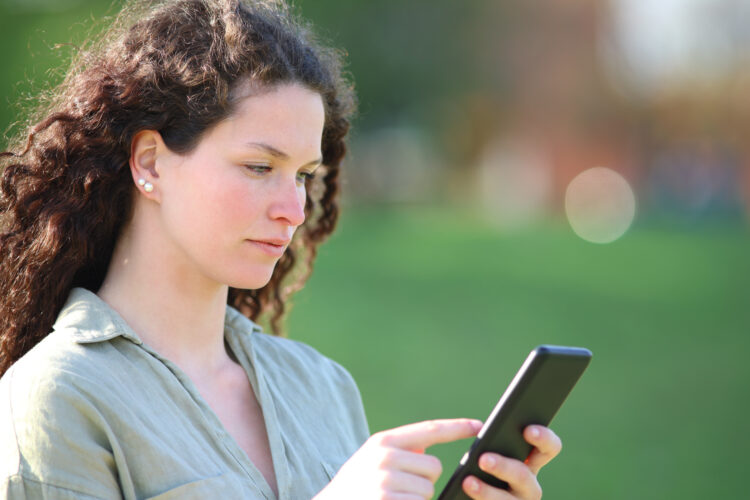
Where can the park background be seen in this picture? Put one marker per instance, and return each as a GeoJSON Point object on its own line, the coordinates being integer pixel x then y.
{"type": "Point", "coordinates": [462, 245]}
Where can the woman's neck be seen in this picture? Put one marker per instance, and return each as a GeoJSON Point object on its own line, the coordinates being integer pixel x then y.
{"type": "Point", "coordinates": [173, 309]}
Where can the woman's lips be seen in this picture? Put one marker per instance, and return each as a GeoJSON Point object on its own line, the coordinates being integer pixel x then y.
{"type": "Point", "coordinates": [274, 248]}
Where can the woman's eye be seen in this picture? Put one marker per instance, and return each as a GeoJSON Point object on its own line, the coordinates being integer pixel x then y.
{"type": "Point", "coordinates": [258, 169]}
{"type": "Point", "coordinates": [302, 177]}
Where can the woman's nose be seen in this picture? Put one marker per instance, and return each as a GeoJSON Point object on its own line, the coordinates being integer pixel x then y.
{"type": "Point", "coordinates": [289, 203]}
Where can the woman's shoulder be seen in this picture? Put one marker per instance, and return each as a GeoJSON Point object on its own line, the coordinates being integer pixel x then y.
{"type": "Point", "coordinates": [294, 365]}
{"type": "Point", "coordinates": [57, 374]}
{"type": "Point", "coordinates": [52, 387]}
{"type": "Point", "coordinates": [320, 392]}
{"type": "Point", "coordinates": [304, 365]}
{"type": "Point", "coordinates": [289, 355]}
{"type": "Point", "coordinates": [55, 363]}
{"type": "Point", "coordinates": [79, 365]}
{"type": "Point", "coordinates": [299, 354]}
{"type": "Point", "coordinates": [85, 345]}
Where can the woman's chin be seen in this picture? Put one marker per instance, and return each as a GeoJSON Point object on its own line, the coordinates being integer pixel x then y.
{"type": "Point", "coordinates": [251, 282]}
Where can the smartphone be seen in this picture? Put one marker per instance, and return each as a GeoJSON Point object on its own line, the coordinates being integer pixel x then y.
{"type": "Point", "coordinates": [533, 397]}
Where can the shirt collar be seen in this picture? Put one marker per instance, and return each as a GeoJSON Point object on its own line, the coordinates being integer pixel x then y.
{"type": "Point", "coordinates": [88, 319]}
{"type": "Point", "coordinates": [237, 323]}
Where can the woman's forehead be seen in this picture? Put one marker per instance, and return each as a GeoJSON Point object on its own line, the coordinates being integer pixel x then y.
{"type": "Point", "coordinates": [286, 116]}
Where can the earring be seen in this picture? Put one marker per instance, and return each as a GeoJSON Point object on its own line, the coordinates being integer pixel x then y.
{"type": "Point", "coordinates": [147, 186]}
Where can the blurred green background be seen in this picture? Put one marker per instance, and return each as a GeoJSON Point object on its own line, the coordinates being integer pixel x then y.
{"type": "Point", "coordinates": [463, 245]}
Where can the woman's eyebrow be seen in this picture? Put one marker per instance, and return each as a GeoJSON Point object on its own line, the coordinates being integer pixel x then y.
{"type": "Point", "coordinates": [277, 153]}
{"type": "Point", "coordinates": [268, 149]}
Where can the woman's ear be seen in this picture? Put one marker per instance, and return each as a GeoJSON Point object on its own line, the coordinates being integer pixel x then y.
{"type": "Point", "coordinates": [146, 149]}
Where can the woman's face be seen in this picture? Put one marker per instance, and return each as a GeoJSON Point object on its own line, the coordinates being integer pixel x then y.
{"type": "Point", "coordinates": [231, 206]}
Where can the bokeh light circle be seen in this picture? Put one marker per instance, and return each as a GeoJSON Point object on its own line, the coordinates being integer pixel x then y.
{"type": "Point", "coordinates": [600, 205]}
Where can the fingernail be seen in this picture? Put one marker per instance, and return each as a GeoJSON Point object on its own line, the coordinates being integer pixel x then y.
{"type": "Point", "coordinates": [489, 461]}
{"type": "Point", "coordinates": [477, 425]}
{"type": "Point", "coordinates": [534, 432]}
{"type": "Point", "coordinates": [473, 484]}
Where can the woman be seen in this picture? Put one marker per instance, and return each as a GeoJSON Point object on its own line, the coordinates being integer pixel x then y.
{"type": "Point", "coordinates": [174, 190]}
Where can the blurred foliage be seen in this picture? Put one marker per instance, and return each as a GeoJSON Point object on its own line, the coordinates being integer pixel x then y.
{"type": "Point", "coordinates": [455, 78]}
{"type": "Point", "coordinates": [405, 55]}
{"type": "Point", "coordinates": [392, 51]}
{"type": "Point", "coordinates": [39, 38]}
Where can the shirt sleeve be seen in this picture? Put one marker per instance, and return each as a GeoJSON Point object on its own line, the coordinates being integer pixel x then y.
{"type": "Point", "coordinates": [351, 405]}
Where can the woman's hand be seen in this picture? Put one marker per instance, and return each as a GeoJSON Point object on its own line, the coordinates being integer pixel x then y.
{"type": "Point", "coordinates": [520, 476]}
{"type": "Point", "coordinates": [392, 464]}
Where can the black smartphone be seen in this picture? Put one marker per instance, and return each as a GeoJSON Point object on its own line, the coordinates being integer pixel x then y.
{"type": "Point", "coordinates": [533, 397]}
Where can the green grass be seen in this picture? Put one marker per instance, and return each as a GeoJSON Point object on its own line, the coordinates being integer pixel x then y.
{"type": "Point", "coordinates": [433, 311]}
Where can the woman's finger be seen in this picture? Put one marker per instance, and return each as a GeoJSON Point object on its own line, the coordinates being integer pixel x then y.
{"type": "Point", "coordinates": [403, 482]}
{"type": "Point", "coordinates": [478, 490]}
{"type": "Point", "coordinates": [426, 466]}
{"type": "Point", "coordinates": [521, 481]}
{"type": "Point", "coordinates": [422, 435]}
{"type": "Point", "coordinates": [547, 445]}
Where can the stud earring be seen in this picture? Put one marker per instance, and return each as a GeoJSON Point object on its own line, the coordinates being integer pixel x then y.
{"type": "Point", "coordinates": [147, 186]}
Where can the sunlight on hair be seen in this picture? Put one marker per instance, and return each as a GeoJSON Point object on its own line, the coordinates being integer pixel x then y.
{"type": "Point", "coordinates": [600, 205]}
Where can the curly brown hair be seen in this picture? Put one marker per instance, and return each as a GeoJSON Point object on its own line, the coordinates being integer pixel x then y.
{"type": "Point", "coordinates": [170, 66]}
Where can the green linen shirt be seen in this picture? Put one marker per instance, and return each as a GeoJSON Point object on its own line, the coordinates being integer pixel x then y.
{"type": "Point", "coordinates": [93, 412]}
